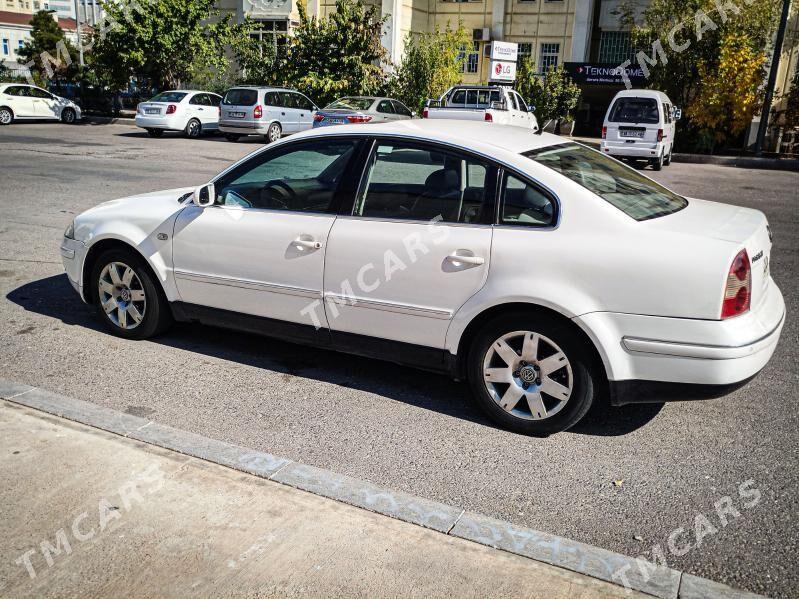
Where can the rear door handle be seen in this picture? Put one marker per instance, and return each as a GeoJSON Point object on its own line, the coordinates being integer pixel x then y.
{"type": "Point", "coordinates": [460, 256]}
{"type": "Point", "coordinates": [309, 244]}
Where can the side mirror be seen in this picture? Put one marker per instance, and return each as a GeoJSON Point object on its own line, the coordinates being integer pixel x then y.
{"type": "Point", "coordinates": [204, 195]}
{"type": "Point", "coordinates": [413, 114]}
{"type": "Point", "coordinates": [531, 107]}
{"type": "Point", "coordinates": [677, 114]}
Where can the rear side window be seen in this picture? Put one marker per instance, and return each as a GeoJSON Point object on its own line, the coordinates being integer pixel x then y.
{"type": "Point", "coordinates": [624, 187]}
{"type": "Point", "coordinates": [169, 97]}
{"type": "Point", "coordinates": [241, 97]}
{"type": "Point", "coordinates": [635, 110]}
{"type": "Point", "coordinates": [525, 205]}
{"type": "Point", "coordinates": [385, 106]}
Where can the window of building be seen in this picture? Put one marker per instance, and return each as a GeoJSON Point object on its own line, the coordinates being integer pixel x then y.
{"type": "Point", "coordinates": [5, 46]}
{"type": "Point", "coordinates": [615, 47]}
{"type": "Point", "coordinates": [470, 61]}
{"type": "Point", "coordinates": [549, 57]}
{"type": "Point", "coordinates": [271, 34]}
{"type": "Point", "coordinates": [525, 51]}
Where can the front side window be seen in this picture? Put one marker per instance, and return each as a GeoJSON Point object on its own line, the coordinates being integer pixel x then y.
{"type": "Point", "coordinates": [169, 97]}
{"type": "Point", "coordinates": [635, 110]}
{"type": "Point", "coordinates": [240, 97]}
{"type": "Point", "coordinates": [301, 178]}
{"type": "Point", "coordinates": [628, 190]}
{"type": "Point", "coordinates": [414, 182]}
{"type": "Point", "coordinates": [35, 92]}
{"type": "Point", "coordinates": [524, 204]}
{"type": "Point", "coordinates": [400, 108]}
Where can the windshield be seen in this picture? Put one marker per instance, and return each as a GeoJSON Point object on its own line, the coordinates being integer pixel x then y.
{"type": "Point", "coordinates": [169, 97]}
{"type": "Point", "coordinates": [352, 103]}
{"type": "Point", "coordinates": [635, 110]}
{"type": "Point", "coordinates": [240, 97]}
{"type": "Point", "coordinates": [624, 187]}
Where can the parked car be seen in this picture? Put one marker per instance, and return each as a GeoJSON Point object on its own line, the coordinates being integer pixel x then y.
{"type": "Point", "coordinates": [361, 109]}
{"type": "Point", "coordinates": [641, 124]}
{"type": "Point", "coordinates": [268, 111]}
{"type": "Point", "coordinates": [490, 103]}
{"type": "Point", "coordinates": [192, 111]}
{"type": "Point", "coordinates": [543, 272]}
{"type": "Point", "coordinates": [19, 101]}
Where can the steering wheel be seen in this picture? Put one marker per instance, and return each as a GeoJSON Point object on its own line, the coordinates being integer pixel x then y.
{"type": "Point", "coordinates": [279, 194]}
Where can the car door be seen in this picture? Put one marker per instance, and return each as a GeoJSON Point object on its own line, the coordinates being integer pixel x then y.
{"type": "Point", "coordinates": [402, 111]}
{"type": "Point", "coordinates": [306, 112]}
{"type": "Point", "coordinates": [415, 246]}
{"type": "Point", "coordinates": [21, 103]}
{"type": "Point", "coordinates": [260, 248]}
{"type": "Point", "coordinates": [211, 114]}
{"type": "Point", "coordinates": [45, 106]}
{"type": "Point", "coordinates": [526, 117]}
{"type": "Point", "coordinates": [385, 111]}
{"type": "Point", "coordinates": [289, 114]}
{"type": "Point", "coordinates": [200, 108]}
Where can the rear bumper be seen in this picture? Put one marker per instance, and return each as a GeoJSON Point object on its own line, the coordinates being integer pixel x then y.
{"type": "Point", "coordinates": [159, 122]}
{"type": "Point", "coordinates": [245, 128]}
{"type": "Point", "coordinates": [641, 150]}
{"type": "Point", "coordinates": [650, 358]}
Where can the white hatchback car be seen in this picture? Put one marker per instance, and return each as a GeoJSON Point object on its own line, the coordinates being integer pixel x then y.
{"type": "Point", "coordinates": [190, 111]}
{"type": "Point", "coordinates": [543, 272]}
{"type": "Point", "coordinates": [28, 102]}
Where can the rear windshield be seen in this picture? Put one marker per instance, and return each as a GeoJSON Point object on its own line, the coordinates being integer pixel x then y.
{"type": "Point", "coordinates": [240, 97]}
{"type": "Point", "coordinates": [635, 110]}
{"type": "Point", "coordinates": [352, 103]}
{"type": "Point", "coordinates": [624, 187]}
{"type": "Point", "coordinates": [169, 97]}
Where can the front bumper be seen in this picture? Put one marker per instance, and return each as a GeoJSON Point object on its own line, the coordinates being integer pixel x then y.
{"type": "Point", "coordinates": [639, 149]}
{"type": "Point", "coordinates": [650, 358]}
{"type": "Point", "coordinates": [73, 253]}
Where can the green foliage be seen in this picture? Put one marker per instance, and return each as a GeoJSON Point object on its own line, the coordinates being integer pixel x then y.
{"type": "Point", "coordinates": [553, 93]}
{"type": "Point", "coordinates": [52, 55]}
{"type": "Point", "coordinates": [433, 62]}
{"type": "Point", "coordinates": [704, 29]}
{"type": "Point", "coordinates": [169, 42]}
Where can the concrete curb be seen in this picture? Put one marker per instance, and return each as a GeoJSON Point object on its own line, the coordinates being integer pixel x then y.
{"type": "Point", "coordinates": [550, 549]}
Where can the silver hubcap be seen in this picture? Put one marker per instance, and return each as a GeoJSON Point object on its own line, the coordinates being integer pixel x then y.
{"type": "Point", "coordinates": [528, 375]}
{"type": "Point", "coordinates": [274, 133]}
{"type": "Point", "coordinates": [68, 116]}
{"type": "Point", "coordinates": [194, 128]}
{"type": "Point", "coordinates": [5, 117]}
{"type": "Point", "coordinates": [122, 295]}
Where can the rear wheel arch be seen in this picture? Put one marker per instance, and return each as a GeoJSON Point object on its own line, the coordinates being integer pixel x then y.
{"type": "Point", "coordinates": [478, 322]}
{"type": "Point", "coordinates": [97, 250]}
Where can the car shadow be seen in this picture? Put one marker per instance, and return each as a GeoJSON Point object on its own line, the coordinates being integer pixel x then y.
{"type": "Point", "coordinates": [54, 297]}
{"type": "Point", "coordinates": [211, 137]}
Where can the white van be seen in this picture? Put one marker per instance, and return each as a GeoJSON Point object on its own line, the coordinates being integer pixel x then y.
{"type": "Point", "coordinates": [640, 124]}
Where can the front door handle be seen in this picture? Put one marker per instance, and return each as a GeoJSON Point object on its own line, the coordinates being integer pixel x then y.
{"type": "Point", "coordinates": [461, 257]}
{"type": "Point", "coordinates": [308, 244]}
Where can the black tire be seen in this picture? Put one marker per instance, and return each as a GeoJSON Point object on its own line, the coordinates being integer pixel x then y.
{"type": "Point", "coordinates": [156, 315]}
{"type": "Point", "coordinates": [232, 137]}
{"type": "Point", "coordinates": [584, 381]}
{"type": "Point", "coordinates": [155, 132]}
{"type": "Point", "coordinates": [273, 133]}
{"type": "Point", "coordinates": [667, 160]}
{"type": "Point", "coordinates": [657, 163]}
{"type": "Point", "coordinates": [68, 116]}
{"type": "Point", "coordinates": [6, 116]}
{"type": "Point", "coordinates": [193, 129]}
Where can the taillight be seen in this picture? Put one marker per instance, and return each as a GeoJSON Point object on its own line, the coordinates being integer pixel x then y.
{"type": "Point", "coordinates": [219, 111]}
{"type": "Point", "coordinates": [425, 113]}
{"type": "Point", "coordinates": [489, 118]}
{"type": "Point", "coordinates": [660, 134]}
{"type": "Point", "coordinates": [171, 109]}
{"type": "Point", "coordinates": [738, 291]}
{"type": "Point", "coordinates": [257, 112]}
{"type": "Point", "coordinates": [604, 132]}
{"type": "Point", "coordinates": [318, 117]}
{"type": "Point", "coordinates": [359, 118]}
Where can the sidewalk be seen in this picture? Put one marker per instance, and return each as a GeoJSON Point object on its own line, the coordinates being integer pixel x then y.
{"type": "Point", "coordinates": [97, 514]}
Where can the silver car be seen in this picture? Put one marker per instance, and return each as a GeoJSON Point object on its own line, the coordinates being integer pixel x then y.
{"type": "Point", "coordinates": [268, 111]}
{"type": "Point", "coordinates": [361, 109]}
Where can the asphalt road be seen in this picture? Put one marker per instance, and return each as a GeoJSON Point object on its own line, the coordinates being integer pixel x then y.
{"type": "Point", "coordinates": [625, 479]}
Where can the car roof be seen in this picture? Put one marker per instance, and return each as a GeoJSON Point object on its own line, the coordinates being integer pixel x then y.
{"type": "Point", "coordinates": [186, 91]}
{"type": "Point", "coordinates": [642, 93]}
{"type": "Point", "coordinates": [476, 135]}
{"type": "Point", "coordinates": [259, 87]}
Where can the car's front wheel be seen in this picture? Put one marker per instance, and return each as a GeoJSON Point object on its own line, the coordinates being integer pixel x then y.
{"type": "Point", "coordinates": [531, 374]}
{"type": "Point", "coordinates": [6, 116]}
{"type": "Point", "coordinates": [68, 116]}
{"type": "Point", "coordinates": [130, 301]}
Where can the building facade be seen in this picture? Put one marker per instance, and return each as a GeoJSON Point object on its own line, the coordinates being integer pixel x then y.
{"type": "Point", "coordinates": [15, 30]}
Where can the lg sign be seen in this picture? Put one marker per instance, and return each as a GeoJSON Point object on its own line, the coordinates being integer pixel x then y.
{"type": "Point", "coordinates": [503, 71]}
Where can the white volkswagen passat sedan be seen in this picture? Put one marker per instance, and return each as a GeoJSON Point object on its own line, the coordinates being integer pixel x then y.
{"type": "Point", "coordinates": [27, 102]}
{"type": "Point", "coordinates": [541, 271]}
{"type": "Point", "coordinates": [190, 111]}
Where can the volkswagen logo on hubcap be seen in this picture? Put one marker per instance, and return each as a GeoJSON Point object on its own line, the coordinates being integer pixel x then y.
{"type": "Point", "coordinates": [124, 295]}
{"type": "Point", "coordinates": [527, 374]}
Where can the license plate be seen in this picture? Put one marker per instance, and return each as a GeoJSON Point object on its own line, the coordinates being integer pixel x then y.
{"type": "Point", "coordinates": [152, 111]}
{"type": "Point", "coordinates": [335, 121]}
{"type": "Point", "coordinates": [236, 115]}
{"type": "Point", "coordinates": [639, 134]}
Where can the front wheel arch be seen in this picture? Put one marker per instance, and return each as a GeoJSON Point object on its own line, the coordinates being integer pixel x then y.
{"type": "Point", "coordinates": [97, 250]}
{"type": "Point", "coordinates": [478, 322]}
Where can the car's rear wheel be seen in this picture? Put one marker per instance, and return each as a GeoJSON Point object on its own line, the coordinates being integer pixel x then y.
{"type": "Point", "coordinates": [155, 132]}
{"type": "Point", "coordinates": [6, 116]}
{"type": "Point", "coordinates": [657, 163]}
{"type": "Point", "coordinates": [232, 137]}
{"type": "Point", "coordinates": [273, 133]}
{"type": "Point", "coordinates": [68, 116]}
{"type": "Point", "coordinates": [531, 374]}
{"type": "Point", "coordinates": [193, 129]}
{"type": "Point", "coordinates": [667, 160]}
{"type": "Point", "coordinates": [130, 301]}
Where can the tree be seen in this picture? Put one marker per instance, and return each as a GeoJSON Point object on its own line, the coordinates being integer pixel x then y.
{"type": "Point", "coordinates": [690, 34]}
{"type": "Point", "coordinates": [553, 93]}
{"type": "Point", "coordinates": [49, 52]}
{"type": "Point", "coordinates": [730, 91]}
{"type": "Point", "coordinates": [169, 42]}
{"type": "Point", "coordinates": [792, 103]}
{"type": "Point", "coordinates": [432, 63]}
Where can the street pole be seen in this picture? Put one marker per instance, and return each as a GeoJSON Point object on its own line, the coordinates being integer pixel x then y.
{"type": "Point", "coordinates": [772, 78]}
{"type": "Point", "coordinates": [77, 31]}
